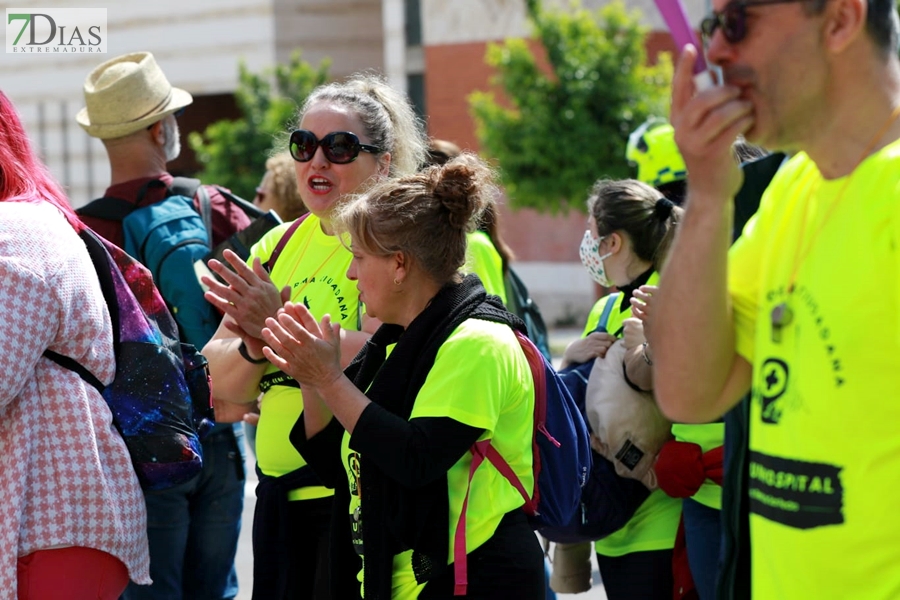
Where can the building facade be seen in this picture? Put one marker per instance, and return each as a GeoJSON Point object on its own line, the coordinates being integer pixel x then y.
{"type": "Point", "coordinates": [433, 49]}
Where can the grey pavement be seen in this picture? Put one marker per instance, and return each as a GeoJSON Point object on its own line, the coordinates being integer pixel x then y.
{"type": "Point", "coordinates": [558, 341]}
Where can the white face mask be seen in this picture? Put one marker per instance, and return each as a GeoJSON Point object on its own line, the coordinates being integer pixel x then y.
{"type": "Point", "coordinates": [591, 259]}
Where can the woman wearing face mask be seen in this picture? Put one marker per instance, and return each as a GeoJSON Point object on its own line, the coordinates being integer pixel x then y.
{"type": "Point", "coordinates": [631, 228]}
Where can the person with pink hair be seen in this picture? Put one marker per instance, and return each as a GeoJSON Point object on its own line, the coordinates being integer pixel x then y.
{"type": "Point", "coordinates": [72, 521]}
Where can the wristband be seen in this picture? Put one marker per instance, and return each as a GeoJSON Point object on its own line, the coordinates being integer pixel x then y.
{"type": "Point", "coordinates": [242, 350]}
{"type": "Point", "coordinates": [644, 354]}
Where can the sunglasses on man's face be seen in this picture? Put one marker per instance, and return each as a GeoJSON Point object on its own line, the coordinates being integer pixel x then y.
{"type": "Point", "coordinates": [733, 19]}
{"type": "Point", "coordinates": [340, 147]}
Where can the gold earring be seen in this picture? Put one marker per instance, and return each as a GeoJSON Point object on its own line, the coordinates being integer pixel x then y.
{"type": "Point", "coordinates": [397, 281]}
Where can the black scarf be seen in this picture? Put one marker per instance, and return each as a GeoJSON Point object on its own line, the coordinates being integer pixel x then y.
{"type": "Point", "coordinates": [397, 518]}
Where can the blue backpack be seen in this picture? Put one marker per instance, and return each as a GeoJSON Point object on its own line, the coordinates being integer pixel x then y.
{"type": "Point", "coordinates": [168, 237]}
{"type": "Point", "coordinates": [160, 397]}
{"type": "Point", "coordinates": [608, 501]}
{"type": "Point", "coordinates": [561, 458]}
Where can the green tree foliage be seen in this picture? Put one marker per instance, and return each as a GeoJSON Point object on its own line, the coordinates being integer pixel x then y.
{"type": "Point", "coordinates": [234, 153]}
{"type": "Point", "coordinates": [561, 131]}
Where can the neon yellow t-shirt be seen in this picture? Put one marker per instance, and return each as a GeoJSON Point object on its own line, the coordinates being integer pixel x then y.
{"type": "Point", "coordinates": [655, 522]}
{"type": "Point", "coordinates": [484, 260]}
{"type": "Point", "coordinates": [480, 377]}
{"type": "Point", "coordinates": [315, 266]}
{"type": "Point", "coordinates": [824, 447]}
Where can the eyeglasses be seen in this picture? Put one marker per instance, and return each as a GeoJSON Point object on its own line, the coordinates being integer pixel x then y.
{"type": "Point", "coordinates": [340, 147]}
{"type": "Point", "coordinates": [733, 19]}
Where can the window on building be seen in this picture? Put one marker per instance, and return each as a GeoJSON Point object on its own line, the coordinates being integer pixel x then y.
{"type": "Point", "coordinates": [413, 23]}
{"type": "Point", "coordinates": [415, 87]}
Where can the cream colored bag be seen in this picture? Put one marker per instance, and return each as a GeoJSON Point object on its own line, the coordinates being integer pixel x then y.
{"type": "Point", "coordinates": [630, 427]}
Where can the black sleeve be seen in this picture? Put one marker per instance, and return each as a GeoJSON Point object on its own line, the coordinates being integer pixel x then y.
{"type": "Point", "coordinates": [322, 452]}
{"type": "Point", "coordinates": [416, 452]}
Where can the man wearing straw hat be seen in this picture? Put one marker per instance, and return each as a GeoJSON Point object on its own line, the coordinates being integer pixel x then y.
{"type": "Point", "coordinates": [193, 528]}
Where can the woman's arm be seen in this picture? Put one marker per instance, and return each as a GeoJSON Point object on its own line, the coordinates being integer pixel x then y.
{"type": "Point", "coordinates": [416, 452]}
{"type": "Point", "coordinates": [25, 326]}
{"type": "Point", "coordinates": [247, 300]}
{"type": "Point", "coordinates": [639, 367]}
{"type": "Point", "coordinates": [235, 379]}
{"type": "Point", "coordinates": [311, 352]}
{"type": "Point", "coordinates": [321, 451]}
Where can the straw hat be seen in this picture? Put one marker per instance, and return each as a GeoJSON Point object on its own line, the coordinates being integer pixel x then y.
{"type": "Point", "coordinates": [127, 94]}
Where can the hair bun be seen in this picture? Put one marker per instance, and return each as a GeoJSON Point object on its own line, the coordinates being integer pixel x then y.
{"type": "Point", "coordinates": [664, 208]}
{"type": "Point", "coordinates": [456, 187]}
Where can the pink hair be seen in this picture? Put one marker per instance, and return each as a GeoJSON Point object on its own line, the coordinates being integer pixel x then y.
{"type": "Point", "coordinates": [23, 177]}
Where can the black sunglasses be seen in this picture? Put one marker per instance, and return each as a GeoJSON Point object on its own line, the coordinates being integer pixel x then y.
{"type": "Point", "coordinates": [340, 147]}
{"type": "Point", "coordinates": [733, 19]}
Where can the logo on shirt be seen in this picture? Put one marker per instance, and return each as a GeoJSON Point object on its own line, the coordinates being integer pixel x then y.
{"type": "Point", "coordinates": [353, 471]}
{"type": "Point", "coordinates": [343, 306]}
{"type": "Point", "coordinates": [796, 493]}
{"type": "Point", "coordinates": [771, 387]}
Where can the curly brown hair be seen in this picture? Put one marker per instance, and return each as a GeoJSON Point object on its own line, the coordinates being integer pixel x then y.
{"type": "Point", "coordinates": [282, 180]}
{"type": "Point", "coordinates": [425, 216]}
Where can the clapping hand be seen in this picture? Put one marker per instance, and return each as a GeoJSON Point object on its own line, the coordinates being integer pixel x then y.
{"type": "Point", "coordinates": [249, 297]}
{"type": "Point", "coordinates": [307, 350]}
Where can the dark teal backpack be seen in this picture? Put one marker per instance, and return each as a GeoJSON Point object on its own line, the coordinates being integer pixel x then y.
{"type": "Point", "coordinates": [167, 237]}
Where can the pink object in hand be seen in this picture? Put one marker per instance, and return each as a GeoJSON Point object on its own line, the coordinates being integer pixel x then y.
{"type": "Point", "coordinates": [682, 33]}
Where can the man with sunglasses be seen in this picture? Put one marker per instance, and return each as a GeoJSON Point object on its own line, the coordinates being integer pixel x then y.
{"type": "Point", "coordinates": [193, 528]}
{"type": "Point", "coordinates": [779, 315]}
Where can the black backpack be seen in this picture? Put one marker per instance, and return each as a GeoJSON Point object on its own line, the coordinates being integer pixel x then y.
{"type": "Point", "coordinates": [160, 396]}
{"type": "Point", "coordinates": [519, 302]}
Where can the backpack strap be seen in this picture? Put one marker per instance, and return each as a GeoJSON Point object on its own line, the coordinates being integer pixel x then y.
{"type": "Point", "coordinates": [184, 186]}
{"type": "Point", "coordinates": [190, 187]}
{"type": "Point", "coordinates": [72, 365]}
{"type": "Point", "coordinates": [102, 262]}
{"type": "Point", "coordinates": [116, 209]}
{"type": "Point", "coordinates": [205, 212]}
{"type": "Point", "coordinates": [607, 311]}
{"type": "Point", "coordinates": [482, 450]}
{"type": "Point", "coordinates": [460, 563]}
{"type": "Point", "coordinates": [285, 238]}
{"type": "Point", "coordinates": [108, 207]}
{"type": "Point", "coordinates": [250, 209]}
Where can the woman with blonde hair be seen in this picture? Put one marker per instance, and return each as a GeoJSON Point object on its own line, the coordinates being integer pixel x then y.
{"type": "Point", "coordinates": [350, 134]}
